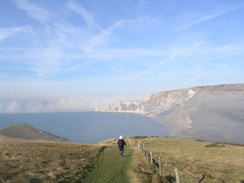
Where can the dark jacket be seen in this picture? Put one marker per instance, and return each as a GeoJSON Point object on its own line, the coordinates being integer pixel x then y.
{"type": "Point", "coordinates": [121, 143]}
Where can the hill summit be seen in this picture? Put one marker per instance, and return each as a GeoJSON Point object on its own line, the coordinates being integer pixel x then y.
{"type": "Point", "coordinates": [27, 132]}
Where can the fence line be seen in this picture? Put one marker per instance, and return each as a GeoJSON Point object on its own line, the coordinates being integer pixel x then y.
{"type": "Point", "coordinates": [158, 164]}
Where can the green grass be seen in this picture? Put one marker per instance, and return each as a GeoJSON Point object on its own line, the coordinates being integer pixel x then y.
{"type": "Point", "coordinates": [111, 167]}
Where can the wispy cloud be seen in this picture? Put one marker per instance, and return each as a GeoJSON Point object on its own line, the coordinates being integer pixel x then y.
{"type": "Point", "coordinates": [201, 75]}
{"type": "Point", "coordinates": [58, 45]}
{"type": "Point", "coordinates": [209, 17]}
{"type": "Point", "coordinates": [9, 31]}
{"type": "Point", "coordinates": [171, 57]}
{"type": "Point", "coordinates": [45, 54]}
{"type": "Point", "coordinates": [87, 16]}
{"type": "Point", "coordinates": [77, 67]}
{"type": "Point", "coordinates": [105, 34]}
{"type": "Point", "coordinates": [197, 54]}
{"type": "Point", "coordinates": [49, 61]}
{"type": "Point", "coordinates": [33, 10]}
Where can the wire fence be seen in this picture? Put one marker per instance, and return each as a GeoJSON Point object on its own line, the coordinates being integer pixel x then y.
{"type": "Point", "coordinates": [170, 172]}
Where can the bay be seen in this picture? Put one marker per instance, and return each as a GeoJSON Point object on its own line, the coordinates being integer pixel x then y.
{"type": "Point", "coordinates": [89, 127]}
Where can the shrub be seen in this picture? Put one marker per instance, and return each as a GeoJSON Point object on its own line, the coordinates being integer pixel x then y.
{"type": "Point", "coordinates": [215, 145]}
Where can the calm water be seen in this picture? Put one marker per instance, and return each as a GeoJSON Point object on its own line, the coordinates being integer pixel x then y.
{"type": "Point", "coordinates": [89, 127]}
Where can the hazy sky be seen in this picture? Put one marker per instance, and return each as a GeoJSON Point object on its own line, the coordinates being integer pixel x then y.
{"type": "Point", "coordinates": [67, 55]}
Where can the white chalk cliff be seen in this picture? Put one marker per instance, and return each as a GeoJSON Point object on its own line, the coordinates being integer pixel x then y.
{"type": "Point", "coordinates": [188, 111]}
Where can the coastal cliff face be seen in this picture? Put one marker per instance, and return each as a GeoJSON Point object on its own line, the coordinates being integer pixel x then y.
{"type": "Point", "coordinates": [209, 112]}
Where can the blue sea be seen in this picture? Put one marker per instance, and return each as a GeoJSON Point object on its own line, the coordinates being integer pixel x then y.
{"type": "Point", "coordinates": [90, 127]}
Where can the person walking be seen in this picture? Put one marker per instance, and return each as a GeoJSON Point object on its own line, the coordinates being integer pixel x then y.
{"type": "Point", "coordinates": [121, 143]}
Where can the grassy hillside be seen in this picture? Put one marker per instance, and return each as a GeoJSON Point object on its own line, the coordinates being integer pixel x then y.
{"type": "Point", "coordinates": [53, 162]}
{"type": "Point", "coordinates": [198, 160]}
{"type": "Point", "coordinates": [41, 162]}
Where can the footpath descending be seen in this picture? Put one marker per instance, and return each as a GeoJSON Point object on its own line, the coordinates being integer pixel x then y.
{"type": "Point", "coordinates": [111, 167]}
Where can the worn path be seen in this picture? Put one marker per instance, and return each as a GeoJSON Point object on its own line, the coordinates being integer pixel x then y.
{"type": "Point", "coordinates": [111, 167]}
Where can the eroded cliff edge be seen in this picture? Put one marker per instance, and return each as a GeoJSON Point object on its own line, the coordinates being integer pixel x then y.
{"type": "Point", "coordinates": [213, 113]}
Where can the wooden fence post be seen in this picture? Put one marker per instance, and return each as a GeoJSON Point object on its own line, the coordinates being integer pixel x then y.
{"type": "Point", "coordinates": [177, 175]}
{"type": "Point", "coordinates": [151, 157]}
{"type": "Point", "coordinates": [159, 166]}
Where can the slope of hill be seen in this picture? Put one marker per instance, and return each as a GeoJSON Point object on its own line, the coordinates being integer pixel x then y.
{"type": "Point", "coordinates": [196, 161]}
{"type": "Point", "coordinates": [43, 161]}
{"type": "Point", "coordinates": [213, 113]}
{"type": "Point", "coordinates": [27, 132]}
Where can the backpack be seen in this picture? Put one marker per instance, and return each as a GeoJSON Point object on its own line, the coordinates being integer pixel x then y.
{"type": "Point", "coordinates": [121, 142]}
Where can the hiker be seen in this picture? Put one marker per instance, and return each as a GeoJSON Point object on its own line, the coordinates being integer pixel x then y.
{"type": "Point", "coordinates": [121, 143]}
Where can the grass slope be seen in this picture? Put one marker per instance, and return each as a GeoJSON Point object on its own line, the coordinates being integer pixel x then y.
{"type": "Point", "coordinates": [111, 167]}
{"type": "Point", "coordinates": [49, 162]}
{"type": "Point", "coordinates": [198, 160]}
{"type": "Point", "coordinates": [42, 162]}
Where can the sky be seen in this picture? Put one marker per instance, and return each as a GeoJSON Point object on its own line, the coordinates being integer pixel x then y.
{"type": "Point", "coordinates": [74, 55]}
